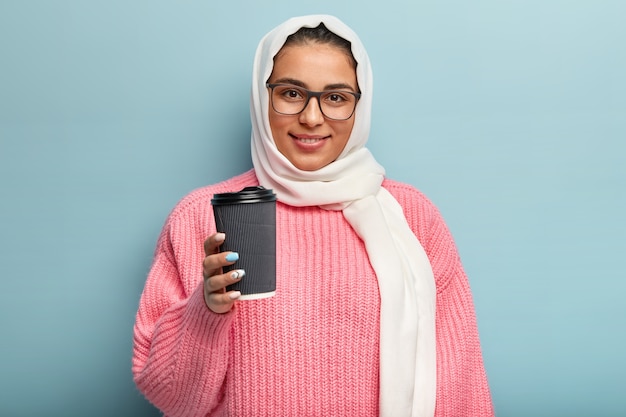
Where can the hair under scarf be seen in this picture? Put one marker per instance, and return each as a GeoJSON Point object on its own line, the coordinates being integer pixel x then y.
{"type": "Point", "coordinates": [352, 184]}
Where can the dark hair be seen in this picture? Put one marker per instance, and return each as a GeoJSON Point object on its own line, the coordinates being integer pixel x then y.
{"type": "Point", "coordinates": [322, 35]}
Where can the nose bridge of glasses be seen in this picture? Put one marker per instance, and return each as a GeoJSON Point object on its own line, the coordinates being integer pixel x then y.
{"type": "Point", "coordinates": [314, 95]}
{"type": "Point", "coordinates": [316, 111]}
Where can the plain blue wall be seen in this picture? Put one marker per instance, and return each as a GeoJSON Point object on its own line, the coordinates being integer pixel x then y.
{"type": "Point", "coordinates": [510, 115]}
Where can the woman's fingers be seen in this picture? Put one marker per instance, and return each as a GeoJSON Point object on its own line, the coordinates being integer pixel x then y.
{"type": "Point", "coordinates": [213, 242]}
{"type": "Point", "coordinates": [215, 295]}
{"type": "Point", "coordinates": [212, 264]}
{"type": "Point", "coordinates": [215, 282]}
{"type": "Point", "coordinates": [221, 302]}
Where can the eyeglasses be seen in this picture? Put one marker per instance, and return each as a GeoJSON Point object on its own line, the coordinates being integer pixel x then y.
{"type": "Point", "coordinates": [290, 100]}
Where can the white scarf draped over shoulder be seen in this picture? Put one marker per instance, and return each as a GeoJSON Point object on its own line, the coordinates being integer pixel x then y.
{"type": "Point", "coordinates": [352, 184]}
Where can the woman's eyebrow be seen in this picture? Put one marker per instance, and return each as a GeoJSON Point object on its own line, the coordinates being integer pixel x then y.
{"type": "Point", "coordinates": [339, 86]}
{"type": "Point", "coordinates": [292, 81]}
{"type": "Point", "coordinates": [298, 83]}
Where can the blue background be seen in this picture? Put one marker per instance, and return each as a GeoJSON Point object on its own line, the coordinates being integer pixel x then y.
{"type": "Point", "coordinates": [510, 115]}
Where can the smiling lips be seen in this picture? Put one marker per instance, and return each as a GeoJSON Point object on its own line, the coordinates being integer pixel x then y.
{"type": "Point", "coordinates": [309, 139]}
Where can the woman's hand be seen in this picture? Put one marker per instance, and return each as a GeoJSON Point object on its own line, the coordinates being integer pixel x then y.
{"type": "Point", "coordinates": [215, 295]}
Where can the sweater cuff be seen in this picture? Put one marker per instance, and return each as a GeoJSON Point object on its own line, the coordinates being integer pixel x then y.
{"type": "Point", "coordinates": [212, 327]}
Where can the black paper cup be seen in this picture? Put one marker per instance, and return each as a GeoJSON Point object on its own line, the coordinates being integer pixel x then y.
{"type": "Point", "coordinates": [248, 218]}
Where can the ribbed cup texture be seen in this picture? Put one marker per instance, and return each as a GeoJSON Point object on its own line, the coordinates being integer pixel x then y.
{"type": "Point", "coordinates": [250, 230]}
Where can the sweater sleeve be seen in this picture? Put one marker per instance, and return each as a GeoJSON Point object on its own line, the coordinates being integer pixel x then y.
{"type": "Point", "coordinates": [462, 388]}
{"type": "Point", "coordinates": [180, 351]}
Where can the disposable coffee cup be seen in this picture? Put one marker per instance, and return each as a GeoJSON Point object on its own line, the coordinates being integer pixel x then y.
{"type": "Point", "coordinates": [248, 218]}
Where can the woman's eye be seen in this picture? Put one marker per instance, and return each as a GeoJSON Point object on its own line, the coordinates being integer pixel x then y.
{"type": "Point", "coordinates": [337, 98]}
{"type": "Point", "coordinates": [292, 94]}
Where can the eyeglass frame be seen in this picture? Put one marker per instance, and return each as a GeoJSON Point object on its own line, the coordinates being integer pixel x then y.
{"type": "Point", "coordinates": [309, 94]}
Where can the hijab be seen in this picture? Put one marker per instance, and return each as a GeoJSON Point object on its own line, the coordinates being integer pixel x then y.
{"type": "Point", "coordinates": [353, 184]}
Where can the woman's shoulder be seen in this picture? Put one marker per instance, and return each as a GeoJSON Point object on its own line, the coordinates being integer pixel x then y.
{"type": "Point", "coordinates": [199, 199]}
{"type": "Point", "coordinates": [421, 213]}
{"type": "Point", "coordinates": [407, 194]}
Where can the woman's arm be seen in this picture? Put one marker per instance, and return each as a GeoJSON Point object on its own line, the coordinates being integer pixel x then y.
{"type": "Point", "coordinates": [180, 352]}
{"type": "Point", "coordinates": [462, 388]}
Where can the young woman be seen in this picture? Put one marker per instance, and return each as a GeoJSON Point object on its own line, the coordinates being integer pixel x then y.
{"type": "Point", "coordinates": [373, 314]}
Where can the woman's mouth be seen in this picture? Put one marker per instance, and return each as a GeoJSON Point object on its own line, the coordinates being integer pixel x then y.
{"type": "Point", "coordinates": [309, 140]}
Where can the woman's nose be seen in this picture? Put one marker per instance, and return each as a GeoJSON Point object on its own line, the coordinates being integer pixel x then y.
{"type": "Point", "coordinates": [312, 114]}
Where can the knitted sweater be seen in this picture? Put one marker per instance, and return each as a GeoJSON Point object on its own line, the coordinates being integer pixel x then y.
{"type": "Point", "coordinates": [312, 349]}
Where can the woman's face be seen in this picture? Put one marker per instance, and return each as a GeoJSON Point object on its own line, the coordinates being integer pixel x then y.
{"type": "Point", "coordinates": [308, 139]}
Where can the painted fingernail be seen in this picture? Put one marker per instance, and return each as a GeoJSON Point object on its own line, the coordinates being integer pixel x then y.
{"type": "Point", "coordinates": [220, 237]}
{"type": "Point", "coordinates": [238, 274]}
{"type": "Point", "coordinates": [234, 295]}
{"type": "Point", "coordinates": [232, 257]}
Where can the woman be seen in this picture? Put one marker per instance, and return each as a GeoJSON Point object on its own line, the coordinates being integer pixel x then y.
{"type": "Point", "coordinates": [363, 265]}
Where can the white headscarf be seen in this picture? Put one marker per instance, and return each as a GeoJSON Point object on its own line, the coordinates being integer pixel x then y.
{"type": "Point", "coordinates": [352, 184]}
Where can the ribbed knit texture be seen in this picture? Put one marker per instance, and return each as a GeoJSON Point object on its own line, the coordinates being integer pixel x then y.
{"type": "Point", "coordinates": [312, 349]}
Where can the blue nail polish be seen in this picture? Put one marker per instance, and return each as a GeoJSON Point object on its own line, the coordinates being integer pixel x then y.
{"type": "Point", "coordinates": [232, 257]}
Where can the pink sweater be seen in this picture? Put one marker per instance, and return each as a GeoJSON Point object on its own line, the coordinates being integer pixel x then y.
{"type": "Point", "coordinates": [312, 349]}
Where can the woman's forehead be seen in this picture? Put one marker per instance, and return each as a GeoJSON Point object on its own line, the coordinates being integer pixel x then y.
{"type": "Point", "coordinates": [319, 64]}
